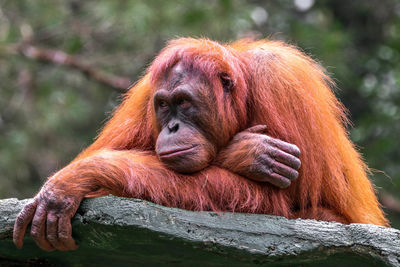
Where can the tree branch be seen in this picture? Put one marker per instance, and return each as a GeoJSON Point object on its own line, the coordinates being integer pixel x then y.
{"type": "Point", "coordinates": [62, 58]}
{"type": "Point", "coordinates": [205, 238]}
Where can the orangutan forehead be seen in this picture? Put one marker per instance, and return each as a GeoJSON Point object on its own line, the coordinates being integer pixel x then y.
{"type": "Point", "coordinates": [180, 73]}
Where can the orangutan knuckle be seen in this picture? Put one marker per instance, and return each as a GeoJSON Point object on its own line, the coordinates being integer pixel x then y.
{"type": "Point", "coordinates": [272, 161]}
{"type": "Point", "coordinates": [273, 152]}
{"type": "Point", "coordinates": [274, 166]}
{"type": "Point", "coordinates": [268, 162]}
{"type": "Point", "coordinates": [267, 139]}
{"type": "Point", "coordinates": [268, 171]}
{"type": "Point", "coordinates": [55, 205]}
{"type": "Point", "coordinates": [52, 201]}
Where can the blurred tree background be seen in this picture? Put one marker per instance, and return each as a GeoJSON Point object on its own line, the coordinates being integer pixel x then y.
{"type": "Point", "coordinates": [58, 60]}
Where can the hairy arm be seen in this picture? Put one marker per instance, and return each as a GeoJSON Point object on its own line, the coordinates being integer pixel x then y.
{"type": "Point", "coordinates": [122, 173]}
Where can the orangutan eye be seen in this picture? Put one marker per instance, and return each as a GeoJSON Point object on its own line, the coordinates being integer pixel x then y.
{"type": "Point", "coordinates": [226, 82]}
{"type": "Point", "coordinates": [162, 104]}
{"type": "Point", "coordinates": [183, 103]}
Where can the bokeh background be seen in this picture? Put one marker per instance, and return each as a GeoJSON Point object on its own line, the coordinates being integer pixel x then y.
{"type": "Point", "coordinates": [64, 65]}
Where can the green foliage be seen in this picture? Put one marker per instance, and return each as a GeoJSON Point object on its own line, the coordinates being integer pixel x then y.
{"type": "Point", "coordinates": [48, 112]}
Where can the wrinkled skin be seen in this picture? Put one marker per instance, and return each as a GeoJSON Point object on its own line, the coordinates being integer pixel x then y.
{"type": "Point", "coordinates": [186, 143]}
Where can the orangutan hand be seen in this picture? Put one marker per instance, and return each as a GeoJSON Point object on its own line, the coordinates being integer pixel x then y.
{"type": "Point", "coordinates": [50, 213]}
{"type": "Point", "coordinates": [257, 156]}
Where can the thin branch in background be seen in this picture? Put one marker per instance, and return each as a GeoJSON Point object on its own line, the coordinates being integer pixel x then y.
{"type": "Point", "coordinates": [62, 58]}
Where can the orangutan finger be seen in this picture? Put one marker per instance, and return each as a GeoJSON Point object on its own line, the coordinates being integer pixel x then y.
{"type": "Point", "coordinates": [284, 170]}
{"type": "Point", "coordinates": [285, 146]}
{"type": "Point", "coordinates": [276, 179]}
{"type": "Point", "coordinates": [38, 228]}
{"type": "Point", "coordinates": [287, 159]}
{"type": "Point", "coordinates": [261, 129]}
{"type": "Point", "coordinates": [65, 233]}
{"type": "Point", "coordinates": [51, 232]}
{"type": "Point", "coordinates": [22, 222]}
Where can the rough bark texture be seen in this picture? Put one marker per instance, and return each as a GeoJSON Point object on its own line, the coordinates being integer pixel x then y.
{"type": "Point", "coordinates": [121, 232]}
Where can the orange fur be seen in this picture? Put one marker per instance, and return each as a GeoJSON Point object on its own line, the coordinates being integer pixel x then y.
{"type": "Point", "coordinates": [275, 85]}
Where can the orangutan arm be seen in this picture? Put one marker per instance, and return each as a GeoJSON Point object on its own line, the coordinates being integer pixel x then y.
{"type": "Point", "coordinates": [122, 173]}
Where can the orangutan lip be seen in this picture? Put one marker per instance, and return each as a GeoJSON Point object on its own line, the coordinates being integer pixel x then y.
{"type": "Point", "coordinates": [176, 152]}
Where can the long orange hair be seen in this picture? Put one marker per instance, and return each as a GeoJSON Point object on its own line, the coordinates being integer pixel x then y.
{"type": "Point", "coordinates": [276, 85]}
